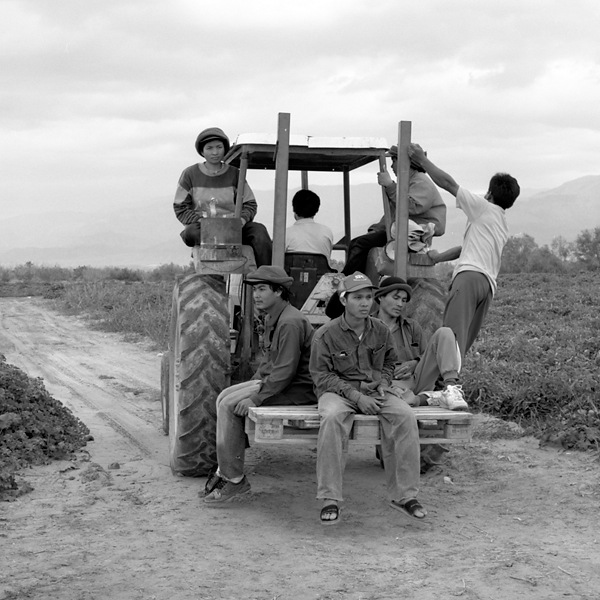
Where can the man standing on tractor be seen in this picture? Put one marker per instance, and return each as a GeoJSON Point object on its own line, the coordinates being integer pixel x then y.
{"type": "Point", "coordinates": [352, 364]}
{"type": "Point", "coordinates": [474, 278]}
{"type": "Point", "coordinates": [209, 189]}
{"type": "Point", "coordinates": [425, 205]}
{"type": "Point", "coordinates": [282, 378]}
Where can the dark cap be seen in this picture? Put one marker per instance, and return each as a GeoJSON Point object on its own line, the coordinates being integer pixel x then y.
{"type": "Point", "coordinates": [393, 151]}
{"type": "Point", "coordinates": [353, 283]}
{"type": "Point", "coordinates": [269, 274]}
{"type": "Point", "coordinates": [209, 135]}
{"type": "Point", "coordinates": [389, 284]}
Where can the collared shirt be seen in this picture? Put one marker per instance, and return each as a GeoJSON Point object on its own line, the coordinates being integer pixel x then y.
{"type": "Point", "coordinates": [408, 337]}
{"type": "Point", "coordinates": [287, 341]}
{"type": "Point", "coordinates": [305, 235]}
{"type": "Point", "coordinates": [340, 362]}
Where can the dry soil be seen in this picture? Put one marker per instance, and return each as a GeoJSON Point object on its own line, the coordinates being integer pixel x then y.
{"type": "Point", "coordinates": [507, 519]}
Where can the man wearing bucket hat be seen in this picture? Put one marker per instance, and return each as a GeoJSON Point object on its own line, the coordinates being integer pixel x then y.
{"type": "Point", "coordinates": [282, 378]}
{"type": "Point", "coordinates": [420, 364]}
{"type": "Point", "coordinates": [209, 189]}
{"type": "Point", "coordinates": [425, 205]}
{"type": "Point", "coordinates": [352, 364]}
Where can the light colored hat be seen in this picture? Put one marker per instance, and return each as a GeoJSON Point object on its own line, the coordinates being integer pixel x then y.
{"type": "Point", "coordinates": [353, 283]}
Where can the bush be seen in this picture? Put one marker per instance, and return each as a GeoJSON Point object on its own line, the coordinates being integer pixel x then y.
{"type": "Point", "coordinates": [536, 360]}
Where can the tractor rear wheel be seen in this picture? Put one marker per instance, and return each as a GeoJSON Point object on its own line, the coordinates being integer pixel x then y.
{"type": "Point", "coordinates": [427, 303]}
{"type": "Point", "coordinates": [199, 368]}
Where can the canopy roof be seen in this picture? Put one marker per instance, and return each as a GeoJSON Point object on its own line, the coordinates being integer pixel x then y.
{"type": "Point", "coordinates": [307, 153]}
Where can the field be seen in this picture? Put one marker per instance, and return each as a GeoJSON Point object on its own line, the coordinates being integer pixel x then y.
{"type": "Point", "coordinates": [509, 514]}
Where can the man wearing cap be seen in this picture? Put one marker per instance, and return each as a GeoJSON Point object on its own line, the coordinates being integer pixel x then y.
{"type": "Point", "coordinates": [209, 189]}
{"type": "Point", "coordinates": [282, 378]}
{"type": "Point", "coordinates": [352, 365]}
{"type": "Point", "coordinates": [425, 205]}
{"type": "Point", "coordinates": [420, 364]}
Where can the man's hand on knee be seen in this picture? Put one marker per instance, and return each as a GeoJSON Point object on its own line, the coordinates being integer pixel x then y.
{"type": "Point", "coordinates": [241, 409]}
{"type": "Point", "coordinates": [369, 405]}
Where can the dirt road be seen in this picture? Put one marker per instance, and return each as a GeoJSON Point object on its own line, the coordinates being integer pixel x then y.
{"type": "Point", "coordinates": [506, 518]}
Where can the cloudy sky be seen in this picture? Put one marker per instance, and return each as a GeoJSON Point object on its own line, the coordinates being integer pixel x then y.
{"type": "Point", "coordinates": [101, 100]}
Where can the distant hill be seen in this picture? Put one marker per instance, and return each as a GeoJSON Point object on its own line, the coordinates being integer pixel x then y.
{"type": "Point", "coordinates": [147, 234]}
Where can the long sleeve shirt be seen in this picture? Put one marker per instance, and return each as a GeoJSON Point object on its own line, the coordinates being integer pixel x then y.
{"type": "Point", "coordinates": [342, 363]}
{"type": "Point", "coordinates": [425, 204]}
{"type": "Point", "coordinates": [408, 337]}
{"type": "Point", "coordinates": [287, 342]}
{"type": "Point", "coordinates": [201, 195]}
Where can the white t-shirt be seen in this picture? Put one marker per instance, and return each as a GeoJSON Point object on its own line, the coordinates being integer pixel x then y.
{"type": "Point", "coordinates": [484, 238]}
{"type": "Point", "coordinates": [307, 236]}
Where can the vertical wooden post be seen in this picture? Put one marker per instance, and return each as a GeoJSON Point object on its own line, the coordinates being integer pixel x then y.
{"type": "Point", "coordinates": [401, 250]}
{"type": "Point", "coordinates": [347, 224]}
{"type": "Point", "coordinates": [281, 184]}
{"type": "Point", "coordinates": [304, 179]}
{"type": "Point", "coordinates": [241, 184]}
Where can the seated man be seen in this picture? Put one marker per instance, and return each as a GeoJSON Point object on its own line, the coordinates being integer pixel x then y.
{"type": "Point", "coordinates": [209, 189]}
{"type": "Point", "coordinates": [282, 378]}
{"type": "Point", "coordinates": [425, 205]}
{"type": "Point", "coordinates": [420, 364]}
{"type": "Point", "coordinates": [352, 364]}
{"type": "Point", "coordinates": [305, 235]}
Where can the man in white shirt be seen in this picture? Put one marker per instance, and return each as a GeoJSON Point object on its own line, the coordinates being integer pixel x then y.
{"type": "Point", "coordinates": [305, 235]}
{"type": "Point", "coordinates": [474, 278]}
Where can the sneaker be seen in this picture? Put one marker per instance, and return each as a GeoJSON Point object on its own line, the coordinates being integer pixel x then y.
{"type": "Point", "coordinates": [211, 480]}
{"type": "Point", "coordinates": [224, 491]}
{"type": "Point", "coordinates": [453, 398]}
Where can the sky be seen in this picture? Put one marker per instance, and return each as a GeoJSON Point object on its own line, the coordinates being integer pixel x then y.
{"type": "Point", "coordinates": [101, 101]}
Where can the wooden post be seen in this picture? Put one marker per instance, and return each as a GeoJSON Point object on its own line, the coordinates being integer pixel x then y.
{"type": "Point", "coordinates": [281, 184]}
{"type": "Point", "coordinates": [347, 227]}
{"type": "Point", "coordinates": [401, 251]}
{"type": "Point", "coordinates": [241, 184]}
{"type": "Point", "coordinates": [304, 179]}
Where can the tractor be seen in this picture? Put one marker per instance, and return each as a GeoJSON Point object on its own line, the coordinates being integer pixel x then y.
{"type": "Point", "coordinates": [213, 331]}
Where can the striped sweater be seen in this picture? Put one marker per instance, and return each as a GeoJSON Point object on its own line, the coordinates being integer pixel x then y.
{"type": "Point", "coordinates": [202, 195]}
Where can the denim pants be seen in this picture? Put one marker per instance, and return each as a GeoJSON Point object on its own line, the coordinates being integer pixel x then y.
{"type": "Point", "coordinates": [231, 434]}
{"type": "Point", "coordinates": [399, 446]}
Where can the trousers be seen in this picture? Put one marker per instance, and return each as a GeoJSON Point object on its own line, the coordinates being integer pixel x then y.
{"type": "Point", "coordinates": [399, 446]}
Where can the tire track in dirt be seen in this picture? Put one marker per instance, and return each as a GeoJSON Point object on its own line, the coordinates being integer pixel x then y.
{"type": "Point", "coordinates": [95, 374]}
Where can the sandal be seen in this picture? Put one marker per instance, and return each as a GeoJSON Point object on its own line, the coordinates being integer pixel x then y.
{"type": "Point", "coordinates": [330, 510]}
{"type": "Point", "coordinates": [412, 508]}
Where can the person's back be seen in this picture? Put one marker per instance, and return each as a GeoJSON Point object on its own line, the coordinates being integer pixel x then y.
{"type": "Point", "coordinates": [306, 235]}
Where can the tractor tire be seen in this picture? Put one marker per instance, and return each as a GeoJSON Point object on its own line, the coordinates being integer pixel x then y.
{"type": "Point", "coordinates": [427, 304]}
{"type": "Point", "coordinates": [164, 391]}
{"type": "Point", "coordinates": [199, 369]}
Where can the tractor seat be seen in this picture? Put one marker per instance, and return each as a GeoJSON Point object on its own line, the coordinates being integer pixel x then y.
{"type": "Point", "coordinates": [306, 269]}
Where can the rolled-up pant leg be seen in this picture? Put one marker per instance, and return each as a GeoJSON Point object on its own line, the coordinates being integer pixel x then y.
{"type": "Point", "coordinates": [400, 448]}
{"type": "Point", "coordinates": [337, 416]}
{"type": "Point", "coordinates": [231, 438]}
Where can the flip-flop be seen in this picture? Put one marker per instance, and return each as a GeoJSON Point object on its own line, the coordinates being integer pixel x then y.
{"type": "Point", "coordinates": [330, 509]}
{"type": "Point", "coordinates": [409, 508]}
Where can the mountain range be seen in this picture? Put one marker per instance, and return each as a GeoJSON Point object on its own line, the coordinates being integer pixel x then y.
{"type": "Point", "coordinates": [146, 234]}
